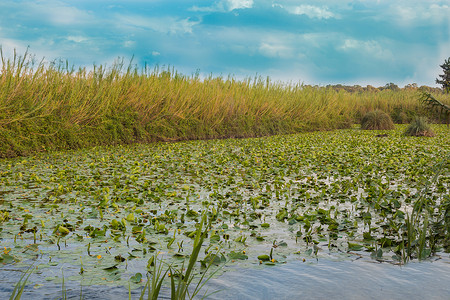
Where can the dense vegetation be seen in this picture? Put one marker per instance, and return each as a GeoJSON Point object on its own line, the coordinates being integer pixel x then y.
{"type": "Point", "coordinates": [53, 106]}
{"type": "Point", "coordinates": [103, 214]}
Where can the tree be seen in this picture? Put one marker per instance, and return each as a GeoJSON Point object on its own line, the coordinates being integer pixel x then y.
{"type": "Point", "coordinates": [391, 86]}
{"type": "Point", "coordinates": [445, 78]}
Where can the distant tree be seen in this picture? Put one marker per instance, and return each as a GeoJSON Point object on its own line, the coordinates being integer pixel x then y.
{"type": "Point", "coordinates": [410, 86]}
{"type": "Point", "coordinates": [391, 86]}
{"type": "Point", "coordinates": [445, 78]}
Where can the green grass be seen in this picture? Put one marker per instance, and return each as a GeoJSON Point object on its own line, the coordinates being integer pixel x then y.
{"type": "Point", "coordinates": [56, 107]}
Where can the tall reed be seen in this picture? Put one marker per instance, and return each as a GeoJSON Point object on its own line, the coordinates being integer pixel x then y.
{"type": "Point", "coordinates": [56, 106]}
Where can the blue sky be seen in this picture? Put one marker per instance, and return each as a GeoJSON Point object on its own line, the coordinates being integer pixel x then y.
{"type": "Point", "coordinates": [314, 42]}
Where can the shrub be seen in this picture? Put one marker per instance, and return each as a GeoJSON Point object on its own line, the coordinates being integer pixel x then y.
{"type": "Point", "coordinates": [419, 127]}
{"type": "Point", "coordinates": [377, 120]}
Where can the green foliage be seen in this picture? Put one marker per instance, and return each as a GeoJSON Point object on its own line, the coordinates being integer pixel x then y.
{"type": "Point", "coordinates": [377, 120]}
{"type": "Point", "coordinates": [445, 78]}
{"type": "Point", "coordinates": [419, 127]}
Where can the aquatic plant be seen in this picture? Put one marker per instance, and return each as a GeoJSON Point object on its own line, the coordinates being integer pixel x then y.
{"type": "Point", "coordinates": [180, 287]}
{"type": "Point", "coordinates": [419, 127]}
{"type": "Point", "coordinates": [275, 199]}
{"type": "Point", "coordinates": [180, 280]}
{"type": "Point", "coordinates": [20, 285]}
{"type": "Point", "coordinates": [420, 234]}
{"type": "Point", "coordinates": [377, 120]}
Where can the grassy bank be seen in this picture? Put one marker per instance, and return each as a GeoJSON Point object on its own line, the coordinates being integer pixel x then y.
{"type": "Point", "coordinates": [53, 106]}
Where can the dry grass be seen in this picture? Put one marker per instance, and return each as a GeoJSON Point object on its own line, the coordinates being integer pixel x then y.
{"type": "Point", "coordinates": [377, 120]}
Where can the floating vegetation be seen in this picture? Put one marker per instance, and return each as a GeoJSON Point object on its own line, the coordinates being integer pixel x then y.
{"type": "Point", "coordinates": [336, 195]}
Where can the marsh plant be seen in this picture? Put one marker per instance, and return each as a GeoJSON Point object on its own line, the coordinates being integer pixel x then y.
{"type": "Point", "coordinates": [419, 127]}
{"type": "Point", "coordinates": [421, 229]}
{"type": "Point", "coordinates": [377, 120]}
{"type": "Point", "coordinates": [185, 283]}
{"type": "Point", "coordinates": [181, 280]}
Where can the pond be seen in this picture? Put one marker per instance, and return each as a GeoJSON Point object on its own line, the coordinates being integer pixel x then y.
{"type": "Point", "coordinates": [312, 279]}
{"type": "Point", "coordinates": [327, 279]}
{"type": "Point", "coordinates": [342, 201]}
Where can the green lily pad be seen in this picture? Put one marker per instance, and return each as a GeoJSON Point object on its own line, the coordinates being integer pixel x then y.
{"type": "Point", "coordinates": [136, 278]}
{"type": "Point", "coordinates": [237, 255]}
{"type": "Point", "coordinates": [264, 257]}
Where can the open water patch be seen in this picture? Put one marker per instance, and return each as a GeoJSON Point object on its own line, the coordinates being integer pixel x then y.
{"type": "Point", "coordinates": [326, 279]}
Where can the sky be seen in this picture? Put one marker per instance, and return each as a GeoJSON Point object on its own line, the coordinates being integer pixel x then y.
{"type": "Point", "coordinates": [317, 42]}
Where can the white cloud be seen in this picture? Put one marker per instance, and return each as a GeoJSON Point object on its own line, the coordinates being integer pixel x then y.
{"type": "Point", "coordinates": [371, 48]}
{"type": "Point", "coordinates": [277, 45]}
{"type": "Point", "coordinates": [76, 39]}
{"type": "Point", "coordinates": [155, 53]}
{"type": "Point", "coordinates": [39, 48]}
{"type": "Point", "coordinates": [275, 50]}
{"type": "Point", "coordinates": [239, 4]}
{"type": "Point", "coordinates": [311, 11]}
{"type": "Point", "coordinates": [433, 13]}
{"type": "Point", "coordinates": [225, 6]}
{"type": "Point", "coordinates": [159, 24]}
{"type": "Point", "coordinates": [56, 12]}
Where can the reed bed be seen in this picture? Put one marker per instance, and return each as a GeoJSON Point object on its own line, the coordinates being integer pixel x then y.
{"type": "Point", "coordinates": [53, 106]}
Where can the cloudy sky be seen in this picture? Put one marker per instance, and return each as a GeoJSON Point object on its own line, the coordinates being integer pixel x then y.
{"type": "Point", "coordinates": [314, 42]}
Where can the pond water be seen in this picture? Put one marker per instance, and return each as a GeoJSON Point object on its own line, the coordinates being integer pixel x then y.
{"type": "Point", "coordinates": [312, 279]}
{"type": "Point", "coordinates": [324, 279]}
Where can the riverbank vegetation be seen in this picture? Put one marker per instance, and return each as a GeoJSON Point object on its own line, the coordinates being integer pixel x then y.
{"type": "Point", "coordinates": [55, 106]}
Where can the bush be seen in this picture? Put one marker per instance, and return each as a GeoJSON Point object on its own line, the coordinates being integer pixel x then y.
{"type": "Point", "coordinates": [419, 127]}
{"type": "Point", "coordinates": [377, 120]}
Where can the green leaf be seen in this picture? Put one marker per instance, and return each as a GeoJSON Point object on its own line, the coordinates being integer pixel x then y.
{"type": "Point", "coordinates": [136, 278]}
{"type": "Point", "coordinates": [354, 247]}
{"type": "Point", "coordinates": [264, 257]}
{"type": "Point", "coordinates": [237, 255]}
